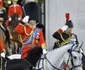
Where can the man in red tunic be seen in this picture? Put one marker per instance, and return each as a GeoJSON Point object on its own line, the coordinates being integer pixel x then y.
{"type": "Point", "coordinates": [31, 36]}
{"type": "Point", "coordinates": [2, 49]}
{"type": "Point", "coordinates": [15, 8]}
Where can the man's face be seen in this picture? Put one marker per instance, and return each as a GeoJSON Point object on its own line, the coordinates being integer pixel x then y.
{"type": "Point", "coordinates": [32, 22]}
{"type": "Point", "coordinates": [69, 30]}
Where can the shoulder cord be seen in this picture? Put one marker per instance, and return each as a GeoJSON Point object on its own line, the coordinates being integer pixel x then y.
{"type": "Point", "coordinates": [27, 41]}
{"type": "Point", "coordinates": [64, 41]}
{"type": "Point", "coordinates": [30, 34]}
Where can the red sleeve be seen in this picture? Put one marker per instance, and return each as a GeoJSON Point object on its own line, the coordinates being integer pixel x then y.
{"type": "Point", "coordinates": [42, 41]}
{"type": "Point", "coordinates": [9, 11]}
{"type": "Point", "coordinates": [20, 11]}
{"type": "Point", "coordinates": [59, 30]}
{"type": "Point", "coordinates": [19, 29]}
{"type": "Point", "coordinates": [1, 46]}
{"type": "Point", "coordinates": [7, 23]}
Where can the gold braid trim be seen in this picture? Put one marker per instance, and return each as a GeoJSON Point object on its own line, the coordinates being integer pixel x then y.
{"type": "Point", "coordinates": [2, 26]}
{"type": "Point", "coordinates": [22, 40]}
{"type": "Point", "coordinates": [64, 41]}
{"type": "Point", "coordinates": [29, 33]}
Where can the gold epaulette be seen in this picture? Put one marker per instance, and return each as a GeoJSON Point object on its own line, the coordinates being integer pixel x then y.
{"type": "Point", "coordinates": [3, 8]}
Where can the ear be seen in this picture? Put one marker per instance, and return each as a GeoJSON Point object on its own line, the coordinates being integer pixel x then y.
{"type": "Point", "coordinates": [76, 46]}
{"type": "Point", "coordinates": [81, 45]}
{"type": "Point", "coordinates": [72, 46]}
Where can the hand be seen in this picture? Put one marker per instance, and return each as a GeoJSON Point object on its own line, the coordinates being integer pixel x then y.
{"type": "Point", "coordinates": [19, 18]}
{"type": "Point", "coordinates": [10, 19]}
{"type": "Point", "coordinates": [44, 51]}
{"type": "Point", "coordinates": [1, 19]}
{"type": "Point", "coordinates": [26, 19]}
{"type": "Point", "coordinates": [64, 28]}
{"type": "Point", "coordinates": [3, 55]}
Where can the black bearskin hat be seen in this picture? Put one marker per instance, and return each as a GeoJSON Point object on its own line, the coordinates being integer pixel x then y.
{"type": "Point", "coordinates": [69, 23]}
{"type": "Point", "coordinates": [32, 10]}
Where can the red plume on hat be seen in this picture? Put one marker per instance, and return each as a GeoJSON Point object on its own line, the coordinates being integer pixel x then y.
{"type": "Point", "coordinates": [67, 15]}
{"type": "Point", "coordinates": [68, 22]}
{"type": "Point", "coordinates": [1, 3]}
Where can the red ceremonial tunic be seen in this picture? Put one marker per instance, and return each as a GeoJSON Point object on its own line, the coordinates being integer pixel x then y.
{"type": "Point", "coordinates": [37, 41]}
{"type": "Point", "coordinates": [18, 10]}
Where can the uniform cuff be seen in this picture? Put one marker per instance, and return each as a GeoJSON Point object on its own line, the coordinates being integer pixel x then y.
{"type": "Point", "coordinates": [44, 46]}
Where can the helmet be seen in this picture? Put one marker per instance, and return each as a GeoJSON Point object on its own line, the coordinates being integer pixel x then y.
{"type": "Point", "coordinates": [69, 23]}
{"type": "Point", "coordinates": [32, 10]}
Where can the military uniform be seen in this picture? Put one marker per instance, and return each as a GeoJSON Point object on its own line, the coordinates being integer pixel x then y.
{"type": "Point", "coordinates": [64, 38]}
{"type": "Point", "coordinates": [3, 19]}
{"type": "Point", "coordinates": [27, 34]}
{"type": "Point", "coordinates": [15, 9]}
{"type": "Point", "coordinates": [30, 36]}
{"type": "Point", "coordinates": [3, 15]}
{"type": "Point", "coordinates": [2, 48]}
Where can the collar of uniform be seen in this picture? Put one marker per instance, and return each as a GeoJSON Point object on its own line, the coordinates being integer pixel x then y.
{"type": "Point", "coordinates": [30, 25]}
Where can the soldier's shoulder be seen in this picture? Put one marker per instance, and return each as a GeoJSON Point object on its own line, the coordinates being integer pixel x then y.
{"type": "Point", "coordinates": [3, 8]}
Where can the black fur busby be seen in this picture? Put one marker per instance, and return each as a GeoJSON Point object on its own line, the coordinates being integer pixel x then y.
{"type": "Point", "coordinates": [69, 23]}
{"type": "Point", "coordinates": [32, 10]}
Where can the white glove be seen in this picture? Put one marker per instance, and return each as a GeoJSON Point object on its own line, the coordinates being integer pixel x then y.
{"type": "Point", "coordinates": [44, 51]}
{"type": "Point", "coordinates": [3, 55]}
{"type": "Point", "coordinates": [10, 19]}
{"type": "Point", "coordinates": [64, 28]}
{"type": "Point", "coordinates": [19, 18]}
{"type": "Point", "coordinates": [26, 19]}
